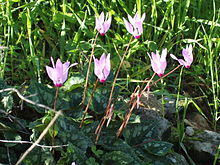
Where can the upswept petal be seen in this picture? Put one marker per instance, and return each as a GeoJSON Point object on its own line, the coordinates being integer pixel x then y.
{"type": "Point", "coordinates": [50, 72]}
{"type": "Point", "coordinates": [138, 26]}
{"type": "Point", "coordinates": [173, 57]}
{"type": "Point", "coordinates": [65, 71]}
{"type": "Point", "coordinates": [102, 18]}
{"type": "Point", "coordinates": [155, 56]}
{"type": "Point", "coordinates": [51, 58]}
{"type": "Point", "coordinates": [65, 66]}
{"type": "Point", "coordinates": [128, 26]}
{"type": "Point", "coordinates": [163, 61]}
{"type": "Point", "coordinates": [187, 54]}
{"type": "Point", "coordinates": [182, 62]}
{"type": "Point", "coordinates": [97, 24]}
{"type": "Point", "coordinates": [99, 21]}
{"type": "Point", "coordinates": [153, 63]}
{"type": "Point", "coordinates": [131, 20]}
{"type": "Point", "coordinates": [102, 61]}
{"type": "Point", "coordinates": [59, 69]}
{"type": "Point", "coordinates": [107, 67]}
{"type": "Point", "coordinates": [155, 67]}
{"type": "Point", "coordinates": [143, 17]}
{"type": "Point", "coordinates": [164, 55]}
{"type": "Point", "coordinates": [96, 66]}
{"type": "Point", "coordinates": [137, 17]}
{"type": "Point", "coordinates": [107, 24]}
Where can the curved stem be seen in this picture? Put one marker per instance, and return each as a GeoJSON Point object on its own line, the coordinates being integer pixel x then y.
{"type": "Point", "coordinates": [117, 73]}
{"type": "Point", "coordinates": [53, 128]}
{"type": "Point", "coordinates": [88, 70]}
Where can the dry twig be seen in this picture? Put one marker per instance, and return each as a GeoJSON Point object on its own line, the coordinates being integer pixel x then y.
{"type": "Point", "coordinates": [27, 142]}
{"type": "Point", "coordinates": [39, 139]}
{"type": "Point", "coordinates": [24, 98]}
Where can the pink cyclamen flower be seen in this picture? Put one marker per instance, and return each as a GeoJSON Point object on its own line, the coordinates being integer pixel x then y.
{"type": "Point", "coordinates": [158, 63]}
{"type": "Point", "coordinates": [188, 56]}
{"type": "Point", "coordinates": [59, 72]}
{"type": "Point", "coordinates": [135, 25]}
{"type": "Point", "coordinates": [102, 67]}
{"type": "Point", "coordinates": [102, 23]}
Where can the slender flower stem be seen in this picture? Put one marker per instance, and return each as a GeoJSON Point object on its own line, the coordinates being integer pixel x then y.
{"type": "Point", "coordinates": [102, 122]}
{"type": "Point", "coordinates": [88, 70]}
{"type": "Point", "coordinates": [117, 73]}
{"type": "Point", "coordinates": [90, 99]}
{"type": "Point", "coordinates": [164, 76]}
{"type": "Point", "coordinates": [55, 99]}
{"type": "Point", "coordinates": [53, 128]}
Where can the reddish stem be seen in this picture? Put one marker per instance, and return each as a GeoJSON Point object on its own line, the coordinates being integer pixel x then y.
{"type": "Point", "coordinates": [87, 107]}
{"type": "Point", "coordinates": [88, 70]}
{"type": "Point", "coordinates": [53, 129]}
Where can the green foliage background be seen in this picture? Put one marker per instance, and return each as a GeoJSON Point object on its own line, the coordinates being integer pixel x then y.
{"type": "Point", "coordinates": [33, 31]}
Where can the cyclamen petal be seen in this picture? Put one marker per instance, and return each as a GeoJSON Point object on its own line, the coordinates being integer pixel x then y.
{"type": "Point", "coordinates": [158, 63]}
{"type": "Point", "coordinates": [143, 17]}
{"type": "Point", "coordinates": [102, 67]}
{"type": "Point", "coordinates": [59, 73]}
{"type": "Point", "coordinates": [135, 27]}
{"type": "Point", "coordinates": [50, 72]}
{"type": "Point", "coordinates": [128, 26]}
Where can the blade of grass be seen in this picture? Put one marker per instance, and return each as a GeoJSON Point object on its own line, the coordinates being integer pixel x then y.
{"type": "Point", "coordinates": [33, 56]}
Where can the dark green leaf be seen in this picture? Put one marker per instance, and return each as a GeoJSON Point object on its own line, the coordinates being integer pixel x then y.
{"type": "Point", "coordinates": [159, 148]}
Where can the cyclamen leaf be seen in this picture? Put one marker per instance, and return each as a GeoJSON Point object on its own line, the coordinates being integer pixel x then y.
{"type": "Point", "coordinates": [159, 148]}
